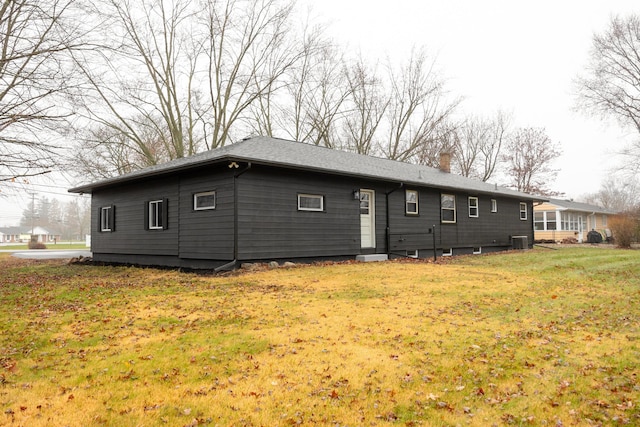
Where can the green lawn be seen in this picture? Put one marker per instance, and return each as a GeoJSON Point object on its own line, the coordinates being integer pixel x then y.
{"type": "Point", "coordinates": [540, 337]}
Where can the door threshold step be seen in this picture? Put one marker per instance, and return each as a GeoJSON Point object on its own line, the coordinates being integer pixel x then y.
{"type": "Point", "coordinates": [372, 257]}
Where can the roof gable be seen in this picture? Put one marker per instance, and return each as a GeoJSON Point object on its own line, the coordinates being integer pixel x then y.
{"type": "Point", "coordinates": [297, 155]}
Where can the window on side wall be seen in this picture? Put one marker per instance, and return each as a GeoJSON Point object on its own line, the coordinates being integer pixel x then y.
{"type": "Point", "coordinates": [523, 211]}
{"type": "Point", "coordinates": [311, 202]}
{"type": "Point", "coordinates": [494, 205]}
{"type": "Point", "coordinates": [204, 201]}
{"type": "Point", "coordinates": [411, 202]}
{"type": "Point", "coordinates": [448, 208]}
{"type": "Point", "coordinates": [107, 218]}
{"type": "Point", "coordinates": [157, 214]}
{"type": "Point", "coordinates": [473, 207]}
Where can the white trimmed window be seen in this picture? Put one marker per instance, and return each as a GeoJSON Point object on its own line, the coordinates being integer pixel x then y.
{"type": "Point", "coordinates": [156, 217]}
{"type": "Point", "coordinates": [494, 205]}
{"type": "Point", "coordinates": [311, 202]}
{"type": "Point", "coordinates": [473, 207]}
{"type": "Point", "coordinates": [523, 211]}
{"type": "Point", "coordinates": [448, 208]}
{"type": "Point", "coordinates": [107, 218]}
{"type": "Point", "coordinates": [411, 202]}
{"type": "Point", "coordinates": [204, 201]}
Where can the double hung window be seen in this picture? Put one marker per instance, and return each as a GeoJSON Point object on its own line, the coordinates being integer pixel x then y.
{"type": "Point", "coordinates": [448, 208]}
{"type": "Point", "coordinates": [411, 202]}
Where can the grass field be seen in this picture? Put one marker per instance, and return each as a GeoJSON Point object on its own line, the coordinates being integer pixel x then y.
{"type": "Point", "coordinates": [58, 246]}
{"type": "Point", "coordinates": [540, 337]}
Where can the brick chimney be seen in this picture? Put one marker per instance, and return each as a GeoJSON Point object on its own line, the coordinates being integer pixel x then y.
{"type": "Point", "coordinates": [445, 162]}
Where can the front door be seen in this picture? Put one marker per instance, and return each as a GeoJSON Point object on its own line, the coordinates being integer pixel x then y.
{"type": "Point", "coordinates": [580, 229]}
{"type": "Point", "coordinates": [367, 219]}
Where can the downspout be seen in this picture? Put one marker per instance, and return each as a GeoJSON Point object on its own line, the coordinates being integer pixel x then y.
{"type": "Point", "coordinates": [235, 217]}
{"type": "Point", "coordinates": [388, 230]}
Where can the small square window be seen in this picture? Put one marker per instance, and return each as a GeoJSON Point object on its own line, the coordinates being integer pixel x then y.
{"type": "Point", "coordinates": [448, 208]}
{"type": "Point", "coordinates": [523, 211]}
{"type": "Point", "coordinates": [494, 205]}
{"type": "Point", "coordinates": [204, 201]}
{"type": "Point", "coordinates": [411, 202]}
{"type": "Point", "coordinates": [447, 252]}
{"type": "Point", "coordinates": [477, 250]}
{"type": "Point", "coordinates": [310, 202]}
{"type": "Point", "coordinates": [473, 207]}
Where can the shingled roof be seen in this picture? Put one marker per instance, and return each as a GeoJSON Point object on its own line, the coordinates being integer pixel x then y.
{"type": "Point", "coordinates": [579, 206]}
{"type": "Point", "coordinates": [296, 155]}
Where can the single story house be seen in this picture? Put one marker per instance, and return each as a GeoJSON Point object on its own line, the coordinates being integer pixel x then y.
{"type": "Point", "coordinates": [265, 199]}
{"type": "Point", "coordinates": [23, 234]}
{"type": "Point", "coordinates": [557, 220]}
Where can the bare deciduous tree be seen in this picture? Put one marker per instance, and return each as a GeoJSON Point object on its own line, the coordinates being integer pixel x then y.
{"type": "Point", "coordinates": [417, 108]}
{"type": "Point", "coordinates": [249, 48]}
{"type": "Point", "coordinates": [618, 194]}
{"type": "Point", "coordinates": [611, 84]}
{"type": "Point", "coordinates": [368, 105]}
{"type": "Point", "coordinates": [35, 38]}
{"type": "Point", "coordinates": [478, 144]}
{"type": "Point", "coordinates": [139, 81]}
{"type": "Point", "coordinates": [529, 156]}
{"type": "Point", "coordinates": [175, 77]}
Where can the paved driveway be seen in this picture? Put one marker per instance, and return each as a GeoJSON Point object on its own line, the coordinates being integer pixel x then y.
{"type": "Point", "coordinates": [51, 253]}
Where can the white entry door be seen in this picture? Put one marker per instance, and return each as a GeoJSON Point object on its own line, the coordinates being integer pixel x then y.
{"type": "Point", "coordinates": [367, 219]}
{"type": "Point", "coordinates": [580, 229]}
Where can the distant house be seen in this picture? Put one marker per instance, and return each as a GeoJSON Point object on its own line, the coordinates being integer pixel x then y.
{"type": "Point", "coordinates": [557, 220]}
{"type": "Point", "coordinates": [267, 199]}
{"type": "Point", "coordinates": [23, 235]}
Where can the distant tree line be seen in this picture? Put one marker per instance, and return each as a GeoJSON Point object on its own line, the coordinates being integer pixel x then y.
{"type": "Point", "coordinates": [71, 220]}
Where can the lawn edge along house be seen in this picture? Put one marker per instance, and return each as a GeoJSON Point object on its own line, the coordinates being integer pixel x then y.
{"type": "Point", "coordinates": [265, 199]}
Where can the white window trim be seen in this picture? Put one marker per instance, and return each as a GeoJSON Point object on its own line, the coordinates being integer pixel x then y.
{"type": "Point", "coordinates": [449, 209]}
{"type": "Point", "coordinates": [202, 194]}
{"type": "Point", "coordinates": [494, 205]}
{"type": "Point", "coordinates": [477, 250]}
{"type": "Point", "coordinates": [154, 219]}
{"type": "Point", "coordinates": [523, 211]}
{"type": "Point", "coordinates": [406, 202]}
{"type": "Point", "coordinates": [105, 219]}
{"type": "Point", "coordinates": [476, 207]}
{"type": "Point", "coordinates": [312, 196]}
{"type": "Point", "coordinates": [447, 252]}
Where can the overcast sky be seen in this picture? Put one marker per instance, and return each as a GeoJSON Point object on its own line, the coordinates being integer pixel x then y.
{"type": "Point", "coordinates": [520, 57]}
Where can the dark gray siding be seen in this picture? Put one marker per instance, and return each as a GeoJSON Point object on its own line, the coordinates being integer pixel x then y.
{"type": "Point", "coordinates": [130, 236]}
{"type": "Point", "coordinates": [207, 234]}
{"type": "Point", "coordinates": [271, 226]}
{"type": "Point", "coordinates": [489, 229]}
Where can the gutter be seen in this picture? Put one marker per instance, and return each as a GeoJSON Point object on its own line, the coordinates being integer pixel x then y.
{"type": "Point", "coordinates": [388, 230]}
